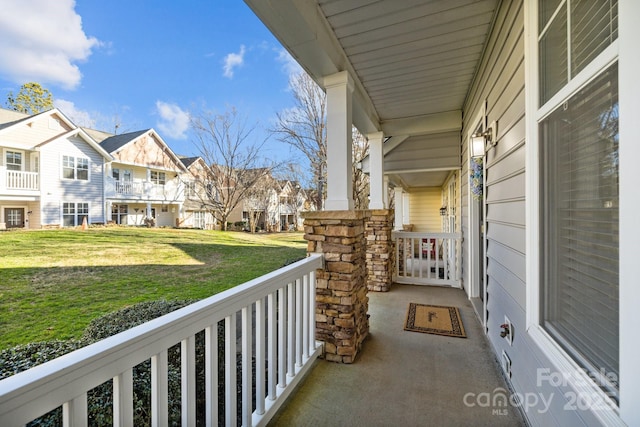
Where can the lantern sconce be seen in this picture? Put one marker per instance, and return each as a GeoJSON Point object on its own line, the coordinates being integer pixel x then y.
{"type": "Point", "coordinates": [481, 142]}
{"type": "Point", "coordinates": [443, 211]}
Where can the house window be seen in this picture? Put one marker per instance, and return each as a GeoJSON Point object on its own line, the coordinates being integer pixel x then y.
{"type": "Point", "coordinates": [74, 213]}
{"type": "Point", "coordinates": [190, 189]}
{"type": "Point", "coordinates": [159, 178]}
{"type": "Point", "coordinates": [13, 160]}
{"type": "Point", "coordinates": [121, 174]}
{"type": "Point", "coordinates": [119, 214]}
{"type": "Point", "coordinates": [75, 168]}
{"type": "Point", "coordinates": [572, 35]}
{"type": "Point", "coordinates": [578, 142]}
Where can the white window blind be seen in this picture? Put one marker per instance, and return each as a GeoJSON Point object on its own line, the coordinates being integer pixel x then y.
{"type": "Point", "coordinates": [579, 143]}
{"type": "Point", "coordinates": [572, 34]}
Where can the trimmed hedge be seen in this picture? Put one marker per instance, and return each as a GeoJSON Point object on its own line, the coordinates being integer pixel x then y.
{"type": "Point", "coordinates": [100, 399]}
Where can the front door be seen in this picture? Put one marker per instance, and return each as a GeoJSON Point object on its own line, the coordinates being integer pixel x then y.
{"type": "Point", "coordinates": [14, 217]}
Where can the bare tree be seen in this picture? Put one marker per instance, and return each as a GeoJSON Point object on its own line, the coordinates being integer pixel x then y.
{"type": "Point", "coordinates": [304, 127]}
{"type": "Point", "coordinates": [236, 162]}
{"type": "Point", "coordinates": [297, 199]}
{"type": "Point", "coordinates": [360, 179]}
{"type": "Point", "coordinates": [258, 201]}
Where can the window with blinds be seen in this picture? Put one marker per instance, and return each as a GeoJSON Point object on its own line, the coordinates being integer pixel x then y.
{"type": "Point", "coordinates": [572, 34]}
{"type": "Point", "coordinates": [580, 152]}
{"type": "Point", "coordinates": [578, 142]}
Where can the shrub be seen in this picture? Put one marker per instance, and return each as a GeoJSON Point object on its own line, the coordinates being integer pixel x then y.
{"type": "Point", "coordinates": [128, 317]}
{"type": "Point", "coordinates": [100, 399]}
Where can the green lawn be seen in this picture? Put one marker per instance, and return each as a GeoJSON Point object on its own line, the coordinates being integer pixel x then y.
{"type": "Point", "coordinates": [53, 282]}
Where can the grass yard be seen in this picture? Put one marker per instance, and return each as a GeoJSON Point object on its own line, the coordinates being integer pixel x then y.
{"type": "Point", "coordinates": [53, 282]}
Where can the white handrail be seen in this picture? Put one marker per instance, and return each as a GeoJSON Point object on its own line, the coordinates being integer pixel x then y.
{"type": "Point", "coordinates": [66, 380]}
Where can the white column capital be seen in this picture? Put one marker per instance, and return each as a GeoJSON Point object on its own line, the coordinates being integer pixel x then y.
{"type": "Point", "coordinates": [375, 135]}
{"type": "Point", "coordinates": [341, 78]}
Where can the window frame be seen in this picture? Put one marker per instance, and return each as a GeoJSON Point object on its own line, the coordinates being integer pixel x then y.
{"type": "Point", "coordinates": [76, 213]}
{"type": "Point", "coordinates": [22, 158]}
{"type": "Point", "coordinates": [75, 168]}
{"type": "Point", "coordinates": [159, 179]}
{"type": "Point", "coordinates": [562, 362]}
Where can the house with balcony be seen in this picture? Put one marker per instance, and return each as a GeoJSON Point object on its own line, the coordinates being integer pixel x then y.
{"type": "Point", "coordinates": [142, 183]}
{"type": "Point", "coordinates": [520, 118]}
{"type": "Point", "coordinates": [277, 205]}
{"type": "Point", "coordinates": [198, 199]}
{"type": "Point", "coordinates": [51, 172]}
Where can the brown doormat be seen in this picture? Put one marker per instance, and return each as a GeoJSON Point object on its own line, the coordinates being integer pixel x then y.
{"type": "Point", "coordinates": [434, 319]}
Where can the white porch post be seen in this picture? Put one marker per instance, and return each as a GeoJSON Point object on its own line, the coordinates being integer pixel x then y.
{"type": "Point", "coordinates": [385, 191]}
{"type": "Point", "coordinates": [399, 207]}
{"type": "Point", "coordinates": [376, 174]}
{"type": "Point", "coordinates": [339, 88]}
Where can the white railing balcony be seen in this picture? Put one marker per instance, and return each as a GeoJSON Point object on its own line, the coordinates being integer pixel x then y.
{"type": "Point", "coordinates": [19, 180]}
{"type": "Point", "coordinates": [428, 258]}
{"type": "Point", "coordinates": [129, 188]}
{"type": "Point", "coordinates": [276, 334]}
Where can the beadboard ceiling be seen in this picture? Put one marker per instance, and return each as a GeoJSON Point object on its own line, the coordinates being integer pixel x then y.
{"type": "Point", "coordinates": [413, 62]}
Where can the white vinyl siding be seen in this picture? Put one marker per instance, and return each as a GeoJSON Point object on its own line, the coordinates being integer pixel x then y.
{"type": "Point", "coordinates": [56, 189]}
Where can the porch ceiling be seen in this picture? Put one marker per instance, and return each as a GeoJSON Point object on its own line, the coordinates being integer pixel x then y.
{"type": "Point", "coordinates": [413, 61]}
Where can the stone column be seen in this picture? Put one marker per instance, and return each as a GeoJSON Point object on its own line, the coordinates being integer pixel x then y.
{"type": "Point", "coordinates": [380, 250]}
{"type": "Point", "coordinates": [342, 322]}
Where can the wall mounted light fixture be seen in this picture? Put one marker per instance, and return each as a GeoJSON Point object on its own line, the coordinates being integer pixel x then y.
{"type": "Point", "coordinates": [443, 211]}
{"type": "Point", "coordinates": [481, 142]}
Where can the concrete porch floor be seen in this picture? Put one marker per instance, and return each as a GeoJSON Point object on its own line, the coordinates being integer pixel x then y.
{"type": "Point", "coordinates": [403, 378]}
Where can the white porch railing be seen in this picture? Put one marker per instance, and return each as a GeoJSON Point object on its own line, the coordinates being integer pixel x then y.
{"type": "Point", "coordinates": [129, 187]}
{"type": "Point", "coordinates": [280, 304]}
{"type": "Point", "coordinates": [428, 258]}
{"type": "Point", "coordinates": [19, 180]}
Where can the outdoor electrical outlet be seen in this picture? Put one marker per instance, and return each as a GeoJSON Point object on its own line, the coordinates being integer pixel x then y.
{"type": "Point", "coordinates": [507, 330]}
{"type": "Point", "coordinates": [506, 364]}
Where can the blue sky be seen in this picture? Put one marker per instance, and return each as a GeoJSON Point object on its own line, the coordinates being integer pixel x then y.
{"type": "Point", "coordinates": [147, 64]}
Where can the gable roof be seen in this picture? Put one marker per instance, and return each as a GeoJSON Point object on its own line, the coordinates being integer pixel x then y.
{"type": "Point", "coordinates": [115, 142]}
{"type": "Point", "coordinates": [11, 117]}
{"type": "Point", "coordinates": [17, 118]}
{"type": "Point", "coordinates": [188, 161]}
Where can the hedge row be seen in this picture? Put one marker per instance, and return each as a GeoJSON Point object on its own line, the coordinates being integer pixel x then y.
{"type": "Point", "coordinates": [100, 399]}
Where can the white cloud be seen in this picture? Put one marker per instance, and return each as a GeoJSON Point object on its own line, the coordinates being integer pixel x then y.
{"type": "Point", "coordinates": [232, 61]}
{"type": "Point", "coordinates": [42, 41]}
{"type": "Point", "coordinates": [78, 117]}
{"type": "Point", "coordinates": [289, 65]}
{"type": "Point", "coordinates": [174, 121]}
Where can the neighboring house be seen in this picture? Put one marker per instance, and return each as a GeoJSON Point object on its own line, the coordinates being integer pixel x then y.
{"type": "Point", "coordinates": [142, 183]}
{"type": "Point", "coordinates": [276, 205]}
{"type": "Point", "coordinates": [198, 198]}
{"type": "Point", "coordinates": [292, 200]}
{"type": "Point", "coordinates": [51, 172]}
{"type": "Point", "coordinates": [550, 91]}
